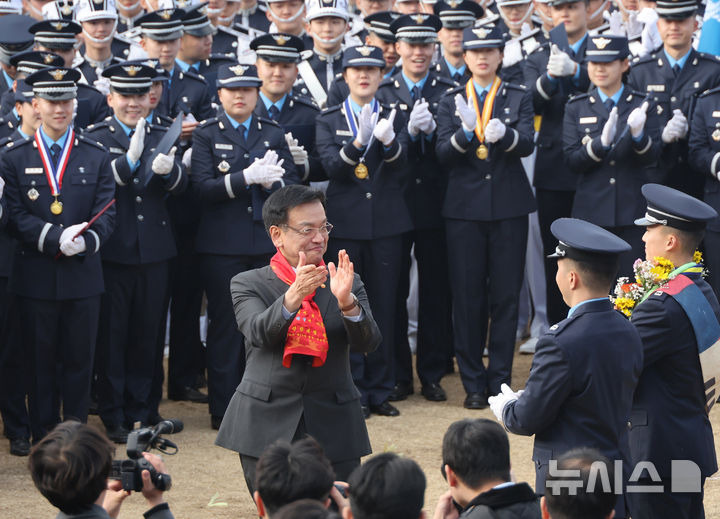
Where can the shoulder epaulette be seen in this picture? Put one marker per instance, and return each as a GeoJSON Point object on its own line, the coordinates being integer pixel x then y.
{"type": "Point", "coordinates": [89, 87]}
{"type": "Point", "coordinates": [387, 81]}
{"type": "Point", "coordinates": [455, 89]}
{"type": "Point", "coordinates": [90, 141]}
{"type": "Point", "coordinates": [268, 121]}
{"type": "Point", "coordinates": [96, 126]}
{"type": "Point", "coordinates": [641, 60]}
{"type": "Point", "coordinates": [443, 80]}
{"type": "Point", "coordinates": [515, 86]}
{"type": "Point", "coordinates": [577, 97]}
{"type": "Point", "coordinates": [158, 127]}
{"type": "Point", "coordinates": [330, 109]}
{"type": "Point", "coordinates": [304, 101]}
{"type": "Point", "coordinates": [16, 144]}
{"type": "Point", "coordinates": [542, 46]}
{"type": "Point", "coordinates": [208, 122]}
{"type": "Point", "coordinates": [193, 74]}
{"type": "Point", "coordinates": [710, 91]}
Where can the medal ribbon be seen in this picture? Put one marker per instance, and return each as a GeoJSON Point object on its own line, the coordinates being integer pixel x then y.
{"type": "Point", "coordinates": [55, 176]}
{"type": "Point", "coordinates": [487, 106]}
{"type": "Point", "coordinates": [350, 115]}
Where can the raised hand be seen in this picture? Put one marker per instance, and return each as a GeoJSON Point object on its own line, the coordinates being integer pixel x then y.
{"type": "Point", "coordinates": [308, 278]}
{"type": "Point", "coordinates": [341, 279]}
{"type": "Point", "coordinates": [384, 131]}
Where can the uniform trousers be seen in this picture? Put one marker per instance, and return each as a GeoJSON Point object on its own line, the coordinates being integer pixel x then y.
{"type": "Point", "coordinates": [225, 352]}
{"type": "Point", "coordinates": [130, 320]}
{"type": "Point", "coordinates": [434, 332]}
{"type": "Point", "coordinates": [60, 344]}
{"type": "Point", "coordinates": [13, 372]}
{"type": "Point", "coordinates": [486, 262]}
{"type": "Point", "coordinates": [379, 263]}
{"type": "Point", "coordinates": [652, 505]}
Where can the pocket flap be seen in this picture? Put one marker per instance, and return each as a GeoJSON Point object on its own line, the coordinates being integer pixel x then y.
{"type": "Point", "coordinates": [638, 417]}
{"type": "Point", "coordinates": [255, 390]}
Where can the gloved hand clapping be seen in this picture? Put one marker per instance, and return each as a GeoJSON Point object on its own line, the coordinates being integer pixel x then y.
{"type": "Point", "coordinates": [466, 111]}
{"type": "Point", "coordinates": [495, 130]}
{"type": "Point", "coordinates": [265, 171]}
{"type": "Point", "coordinates": [366, 124]}
{"type": "Point", "coordinates": [384, 131]}
{"type": "Point", "coordinates": [610, 129]}
{"type": "Point", "coordinates": [163, 164]}
{"type": "Point", "coordinates": [299, 155]}
{"type": "Point", "coordinates": [676, 128]}
{"type": "Point", "coordinates": [636, 120]}
{"type": "Point", "coordinates": [560, 64]}
{"type": "Point", "coordinates": [187, 158]}
{"type": "Point", "coordinates": [499, 401]}
{"type": "Point", "coordinates": [137, 142]}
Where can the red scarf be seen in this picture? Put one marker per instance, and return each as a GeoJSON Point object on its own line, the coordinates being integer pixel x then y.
{"type": "Point", "coordinates": [306, 334]}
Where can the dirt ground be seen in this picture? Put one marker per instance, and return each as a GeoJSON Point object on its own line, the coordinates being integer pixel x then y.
{"type": "Point", "coordinates": [208, 482]}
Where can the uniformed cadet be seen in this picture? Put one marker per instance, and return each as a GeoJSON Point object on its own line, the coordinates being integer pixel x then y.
{"type": "Point", "coordinates": [238, 159]}
{"type": "Point", "coordinates": [129, 12]}
{"type": "Point", "coordinates": [553, 76]}
{"type": "Point", "coordinates": [229, 40]}
{"type": "Point", "coordinates": [14, 37]}
{"type": "Point", "coordinates": [155, 95]}
{"type": "Point", "coordinates": [704, 155]}
{"type": "Point", "coordinates": [135, 257]}
{"type": "Point", "coordinates": [364, 160]}
{"type": "Point", "coordinates": [287, 17]}
{"type": "Point", "coordinates": [610, 136]}
{"type": "Point", "coordinates": [416, 91]}
{"type": "Point", "coordinates": [484, 128]}
{"type": "Point", "coordinates": [669, 419]}
{"type": "Point", "coordinates": [408, 6]}
{"type": "Point", "coordinates": [57, 182]}
{"type": "Point", "coordinates": [455, 17]}
{"type": "Point", "coordinates": [251, 14]}
{"type": "Point", "coordinates": [185, 91]}
{"type": "Point", "coordinates": [13, 376]}
{"type": "Point", "coordinates": [277, 57]}
{"type": "Point", "coordinates": [586, 367]}
{"type": "Point", "coordinates": [521, 37]}
{"type": "Point", "coordinates": [365, 8]}
{"type": "Point", "coordinates": [674, 77]}
{"type": "Point", "coordinates": [24, 63]}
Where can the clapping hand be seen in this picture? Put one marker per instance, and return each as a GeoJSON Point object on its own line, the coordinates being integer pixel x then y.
{"type": "Point", "coordinates": [308, 278]}
{"type": "Point", "coordinates": [495, 130]}
{"type": "Point", "coordinates": [163, 164]}
{"type": "Point", "coordinates": [466, 111]}
{"type": "Point", "coordinates": [384, 131]}
{"type": "Point", "coordinates": [341, 279]}
{"type": "Point", "coordinates": [560, 64]}
{"type": "Point", "coordinates": [2, 186]}
{"type": "Point", "coordinates": [499, 401]}
{"type": "Point", "coordinates": [636, 120]}
{"type": "Point", "coordinates": [137, 142]}
{"type": "Point", "coordinates": [366, 124]}
{"type": "Point", "coordinates": [610, 129]}
{"type": "Point", "coordinates": [676, 128]}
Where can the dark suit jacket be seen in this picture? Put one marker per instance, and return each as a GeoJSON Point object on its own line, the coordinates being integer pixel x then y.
{"type": "Point", "coordinates": [704, 145]}
{"type": "Point", "coordinates": [271, 399]}
{"type": "Point", "coordinates": [668, 420]}
{"type": "Point", "coordinates": [579, 393]}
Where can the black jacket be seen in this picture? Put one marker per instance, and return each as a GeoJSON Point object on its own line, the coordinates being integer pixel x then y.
{"type": "Point", "coordinates": [517, 501]}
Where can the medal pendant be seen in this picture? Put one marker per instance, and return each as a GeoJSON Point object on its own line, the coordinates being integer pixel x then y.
{"type": "Point", "coordinates": [361, 171]}
{"type": "Point", "coordinates": [33, 194]}
{"type": "Point", "coordinates": [482, 152]}
{"type": "Point", "coordinates": [224, 167]}
{"type": "Point", "coordinates": [716, 135]}
{"type": "Point", "coordinates": [56, 207]}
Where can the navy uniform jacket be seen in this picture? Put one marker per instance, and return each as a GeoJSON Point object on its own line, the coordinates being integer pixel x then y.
{"type": "Point", "coordinates": [441, 69]}
{"type": "Point", "coordinates": [298, 116]}
{"type": "Point", "coordinates": [120, 50]}
{"type": "Point", "coordinates": [255, 20]}
{"type": "Point", "coordinates": [87, 187]}
{"type": "Point", "coordinates": [143, 233]}
{"type": "Point", "coordinates": [495, 188]}
{"type": "Point", "coordinates": [231, 218]}
{"type": "Point", "coordinates": [8, 125]}
{"type": "Point", "coordinates": [653, 74]}
{"type": "Point", "coordinates": [92, 106]}
{"type": "Point", "coordinates": [319, 66]}
{"type": "Point", "coordinates": [704, 144]}
{"type": "Point", "coordinates": [189, 93]}
{"type": "Point", "coordinates": [161, 120]}
{"type": "Point", "coordinates": [549, 98]}
{"type": "Point", "coordinates": [609, 181]}
{"type": "Point", "coordinates": [225, 42]}
{"type": "Point", "coordinates": [579, 392]}
{"type": "Point", "coordinates": [208, 69]}
{"type": "Point", "coordinates": [4, 85]}
{"type": "Point", "coordinates": [668, 420]}
{"type": "Point", "coordinates": [7, 240]}
{"type": "Point", "coordinates": [425, 187]}
{"type": "Point", "coordinates": [374, 207]}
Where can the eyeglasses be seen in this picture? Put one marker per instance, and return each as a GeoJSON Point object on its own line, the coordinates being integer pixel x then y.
{"type": "Point", "coordinates": [307, 232]}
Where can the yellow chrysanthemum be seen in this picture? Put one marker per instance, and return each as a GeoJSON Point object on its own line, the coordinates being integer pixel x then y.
{"type": "Point", "coordinates": [697, 257]}
{"type": "Point", "coordinates": [662, 268]}
{"type": "Point", "coordinates": [625, 305]}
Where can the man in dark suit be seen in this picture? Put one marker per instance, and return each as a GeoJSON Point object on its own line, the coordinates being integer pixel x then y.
{"type": "Point", "coordinates": [295, 382]}
{"type": "Point", "coordinates": [586, 367]}
{"type": "Point", "coordinates": [669, 415]}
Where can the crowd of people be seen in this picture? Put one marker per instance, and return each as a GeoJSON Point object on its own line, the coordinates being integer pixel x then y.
{"type": "Point", "coordinates": [481, 173]}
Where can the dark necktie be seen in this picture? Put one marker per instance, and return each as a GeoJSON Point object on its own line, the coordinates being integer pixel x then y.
{"type": "Point", "coordinates": [676, 69]}
{"type": "Point", "coordinates": [274, 112]}
{"type": "Point", "coordinates": [481, 99]}
{"type": "Point", "coordinates": [55, 152]}
{"type": "Point", "coordinates": [609, 103]}
{"type": "Point", "coordinates": [241, 131]}
{"type": "Point", "coordinates": [415, 93]}
{"type": "Point", "coordinates": [457, 77]}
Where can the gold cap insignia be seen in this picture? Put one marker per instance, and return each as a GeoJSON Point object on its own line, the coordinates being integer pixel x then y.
{"type": "Point", "coordinates": [601, 43]}
{"type": "Point", "coordinates": [48, 58]}
{"type": "Point", "coordinates": [365, 51]}
{"type": "Point", "coordinates": [280, 40]}
{"type": "Point", "coordinates": [480, 33]}
{"type": "Point", "coordinates": [419, 18]}
{"type": "Point", "coordinates": [132, 70]}
{"type": "Point", "coordinates": [453, 3]}
{"type": "Point", "coordinates": [58, 74]}
{"type": "Point", "coordinates": [60, 26]}
{"type": "Point", "coordinates": [166, 14]}
{"type": "Point", "coordinates": [202, 10]}
{"type": "Point", "coordinates": [238, 70]}
{"type": "Point", "coordinates": [67, 10]}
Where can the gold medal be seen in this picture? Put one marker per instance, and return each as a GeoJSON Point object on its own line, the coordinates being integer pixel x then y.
{"type": "Point", "coordinates": [482, 152]}
{"type": "Point", "coordinates": [33, 194]}
{"type": "Point", "coordinates": [716, 135]}
{"type": "Point", "coordinates": [224, 167]}
{"type": "Point", "coordinates": [56, 207]}
{"type": "Point", "coordinates": [361, 171]}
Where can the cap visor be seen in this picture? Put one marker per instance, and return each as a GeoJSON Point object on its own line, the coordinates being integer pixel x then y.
{"type": "Point", "coordinates": [643, 222]}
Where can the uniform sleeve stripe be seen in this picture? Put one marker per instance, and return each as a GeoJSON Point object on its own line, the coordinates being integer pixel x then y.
{"type": "Point", "coordinates": [456, 145]}
{"type": "Point", "coordinates": [306, 167]}
{"type": "Point", "coordinates": [540, 89]}
{"type": "Point", "coordinates": [647, 147]}
{"type": "Point", "coordinates": [43, 234]}
{"type": "Point", "coordinates": [589, 149]}
{"type": "Point", "coordinates": [97, 240]}
{"type": "Point", "coordinates": [713, 164]}
{"type": "Point", "coordinates": [179, 177]}
{"type": "Point", "coordinates": [515, 140]}
{"type": "Point", "coordinates": [228, 187]}
{"type": "Point", "coordinates": [346, 158]}
{"type": "Point", "coordinates": [396, 155]}
{"type": "Point", "coordinates": [115, 173]}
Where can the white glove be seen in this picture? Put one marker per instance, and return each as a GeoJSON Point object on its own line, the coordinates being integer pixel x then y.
{"type": "Point", "coordinates": [263, 174]}
{"type": "Point", "coordinates": [102, 84]}
{"type": "Point", "coordinates": [2, 186]}
{"type": "Point", "coordinates": [466, 111]}
{"type": "Point", "coordinates": [499, 401]}
{"type": "Point", "coordinates": [366, 123]}
{"type": "Point", "coordinates": [615, 20]}
{"type": "Point", "coordinates": [270, 158]}
{"type": "Point", "coordinates": [676, 128]}
{"type": "Point", "coordinates": [163, 164]}
{"type": "Point", "coordinates": [69, 232]}
{"type": "Point", "coordinates": [650, 38]}
{"type": "Point", "coordinates": [560, 64]}
{"type": "Point", "coordinates": [495, 130]}
{"type": "Point", "coordinates": [512, 53]}
{"type": "Point", "coordinates": [428, 124]}
{"type": "Point", "coordinates": [421, 120]}
{"type": "Point", "coordinates": [299, 155]}
{"type": "Point", "coordinates": [137, 143]}
{"type": "Point", "coordinates": [633, 26]}
{"type": "Point", "coordinates": [187, 158]}
{"type": "Point", "coordinates": [384, 131]}
{"type": "Point", "coordinates": [636, 120]}
{"type": "Point", "coordinates": [610, 128]}
{"type": "Point", "coordinates": [525, 29]}
{"type": "Point", "coordinates": [70, 246]}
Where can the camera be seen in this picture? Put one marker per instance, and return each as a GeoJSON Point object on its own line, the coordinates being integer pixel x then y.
{"type": "Point", "coordinates": [129, 471]}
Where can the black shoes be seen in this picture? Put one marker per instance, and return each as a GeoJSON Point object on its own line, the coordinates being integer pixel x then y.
{"type": "Point", "coordinates": [433, 392]}
{"type": "Point", "coordinates": [117, 433]}
{"type": "Point", "coordinates": [19, 446]}
{"type": "Point", "coordinates": [189, 394]}
{"type": "Point", "coordinates": [215, 421]}
{"type": "Point", "coordinates": [401, 391]}
{"type": "Point", "coordinates": [385, 409]}
{"type": "Point", "coordinates": [475, 401]}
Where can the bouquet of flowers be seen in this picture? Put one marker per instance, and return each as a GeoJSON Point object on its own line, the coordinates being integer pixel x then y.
{"type": "Point", "coordinates": [649, 276]}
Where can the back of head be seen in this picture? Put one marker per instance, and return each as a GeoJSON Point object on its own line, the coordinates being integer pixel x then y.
{"type": "Point", "coordinates": [478, 451]}
{"type": "Point", "coordinates": [305, 509]}
{"type": "Point", "coordinates": [287, 473]}
{"type": "Point", "coordinates": [586, 494]}
{"type": "Point", "coordinates": [387, 487]}
{"type": "Point", "coordinates": [70, 466]}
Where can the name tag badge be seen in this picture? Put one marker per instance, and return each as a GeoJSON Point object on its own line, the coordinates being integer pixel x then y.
{"type": "Point", "coordinates": [34, 171]}
{"type": "Point", "coordinates": [344, 133]}
{"type": "Point", "coordinates": [219, 146]}
{"type": "Point", "coordinates": [119, 151]}
{"type": "Point", "coordinates": [656, 88]}
{"type": "Point", "coordinates": [588, 120]}
{"type": "Point", "coordinates": [716, 113]}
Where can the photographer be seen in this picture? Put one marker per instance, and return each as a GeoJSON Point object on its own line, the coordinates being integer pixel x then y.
{"type": "Point", "coordinates": [70, 467]}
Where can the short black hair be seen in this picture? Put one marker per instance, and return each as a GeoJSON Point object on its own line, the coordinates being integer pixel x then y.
{"type": "Point", "coordinates": [289, 472]}
{"type": "Point", "coordinates": [582, 504]}
{"type": "Point", "coordinates": [305, 509]}
{"type": "Point", "coordinates": [689, 240]}
{"type": "Point", "coordinates": [387, 486]}
{"type": "Point", "coordinates": [477, 450]}
{"type": "Point", "coordinates": [597, 275]}
{"type": "Point", "coordinates": [276, 207]}
{"type": "Point", "coordinates": [70, 466]}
